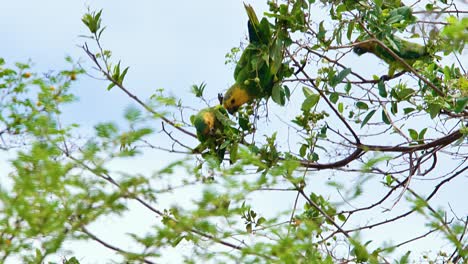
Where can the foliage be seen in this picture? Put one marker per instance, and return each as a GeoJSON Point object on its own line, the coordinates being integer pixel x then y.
{"type": "Point", "coordinates": [361, 147]}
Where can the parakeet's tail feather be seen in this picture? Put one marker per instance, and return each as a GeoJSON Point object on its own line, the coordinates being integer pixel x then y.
{"type": "Point", "coordinates": [252, 25]}
{"type": "Point", "coordinates": [251, 14]}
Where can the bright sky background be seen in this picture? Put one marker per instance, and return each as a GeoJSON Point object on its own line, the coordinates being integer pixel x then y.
{"type": "Point", "coordinates": [167, 44]}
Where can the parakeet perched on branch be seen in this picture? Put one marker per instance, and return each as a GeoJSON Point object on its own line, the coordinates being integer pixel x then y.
{"type": "Point", "coordinates": [408, 51]}
{"type": "Point", "coordinates": [259, 65]}
{"type": "Point", "coordinates": [207, 122]}
{"type": "Point", "coordinates": [211, 125]}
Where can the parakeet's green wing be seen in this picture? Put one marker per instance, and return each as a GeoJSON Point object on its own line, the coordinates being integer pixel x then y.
{"type": "Point", "coordinates": [244, 63]}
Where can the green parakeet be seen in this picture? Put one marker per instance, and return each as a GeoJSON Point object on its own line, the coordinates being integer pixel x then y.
{"type": "Point", "coordinates": [408, 51]}
{"type": "Point", "coordinates": [257, 69]}
{"type": "Point", "coordinates": [207, 122]}
{"type": "Point", "coordinates": [211, 125]}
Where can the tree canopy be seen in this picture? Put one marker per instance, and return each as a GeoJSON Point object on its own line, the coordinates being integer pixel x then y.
{"type": "Point", "coordinates": [343, 139]}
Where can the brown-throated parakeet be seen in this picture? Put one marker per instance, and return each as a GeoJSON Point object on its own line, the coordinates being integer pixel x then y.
{"type": "Point", "coordinates": [408, 51]}
{"type": "Point", "coordinates": [259, 65]}
{"type": "Point", "coordinates": [211, 125]}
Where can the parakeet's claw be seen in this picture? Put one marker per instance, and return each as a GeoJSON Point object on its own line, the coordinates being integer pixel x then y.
{"type": "Point", "coordinates": [220, 98]}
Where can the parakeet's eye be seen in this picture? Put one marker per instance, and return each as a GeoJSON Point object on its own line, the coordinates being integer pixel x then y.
{"type": "Point", "coordinates": [233, 101]}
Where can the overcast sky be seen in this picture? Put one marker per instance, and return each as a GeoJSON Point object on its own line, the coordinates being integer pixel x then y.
{"type": "Point", "coordinates": [167, 44]}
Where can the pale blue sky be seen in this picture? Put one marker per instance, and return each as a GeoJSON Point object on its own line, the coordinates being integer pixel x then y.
{"type": "Point", "coordinates": [167, 44]}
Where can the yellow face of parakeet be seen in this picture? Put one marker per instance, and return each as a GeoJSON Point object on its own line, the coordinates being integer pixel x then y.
{"type": "Point", "coordinates": [234, 98]}
{"type": "Point", "coordinates": [204, 122]}
{"type": "Point", "coordinates": [209, 120]}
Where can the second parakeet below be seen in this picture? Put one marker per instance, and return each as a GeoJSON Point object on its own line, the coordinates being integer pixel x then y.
{"type": "Point", "coordinates": [215, 132]}
{"type": "Point", "coordinates": [207, 122]}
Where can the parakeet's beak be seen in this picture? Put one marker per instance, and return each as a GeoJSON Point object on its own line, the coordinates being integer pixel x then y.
{"type": "Point", "coordinates": [359, 51]}
{"type": "Point", "coordinates": [232, 110]}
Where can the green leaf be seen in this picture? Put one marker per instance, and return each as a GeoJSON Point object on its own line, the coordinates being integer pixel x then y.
{"type": "Point", "coordinates": [360, 252]}
{"type": "Point", "coordinates": [342, 217]}
{"type": "Point", "coordinates": [378, 3]}
{"type": "Point", "coordinates": [303, 150]}
{"type": "Point", "coordinates": [461, 104]}
{"type": "Point", "coordinates": [340, 77]}
{"type": "Point", "coordinates": [323, 131]}
{"type": "Point", "coordinates": [394, 108]}
{"type": "Point", "coordinates": [405, 93]}
{"type": "Point", "coordinates": [334, 97]}
{"type": "Point", "coordinates": [405, 258]}
{"type": "Point", "coordinates": [287, 92]}
{"type": "Point", "coordinates": [413, 134]}
{"type": "Point", "coordinates": [394, 19]}
{"type": "Point", "coordinates": [248, 228]}
{"type": "Point", "coordinates": [408, 110]}
{"type": "Point", "coordinates": [122, 76]}
{"type": "Point", "coordinates": [367, 118]}
{"type": "Point", "coordinates": [198, 90]}
{"type": "Point", "coordinates": [350, 30]}
{"type": "Point", "coordinates": [92, 21]}
{"type": "Point", "coordinates": [176, 241]}
{"type": "Point", "coordinates": [253, 214]}
{"type": "Point", "coordinates": [260, 221]}
{"type": "Point", "coordinates": [72, 260]}
{"type": "Point", "coordinates": [347, 87]}
{"type": "Point", "coordinates": [434, 110]}
{"type": "Point", "coordinates": [385, 118]}
{"type": "Point", "coordinates": [307, 91]}
{"type": "Point", "coordinates": [110, 86]}
{"type": "Point", "coordinates": [244, 123]}
{"type": "Point", "coordinates": [233, 152]}
{"type": "Point", "coordinates": [277, 94]}
{"type": "Point", "coordinates": [362, 105]}
{"type": "Point", "coordinates": [422, 133]}
{"type": "Point", "coordinates": [132, 114]}
{"type": "Point", "coordinates": [389, 180]}
{"type": "Point", "coordinates": [340, 107]}
{"type": "Point", "coordinates": [321, 32]}
{"type": "Point", "coordinates": [106, 130]}
{"type": "Point", "coordinates": [310, 102]}
{"type": "Point", "coordinates": [382, 90]}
